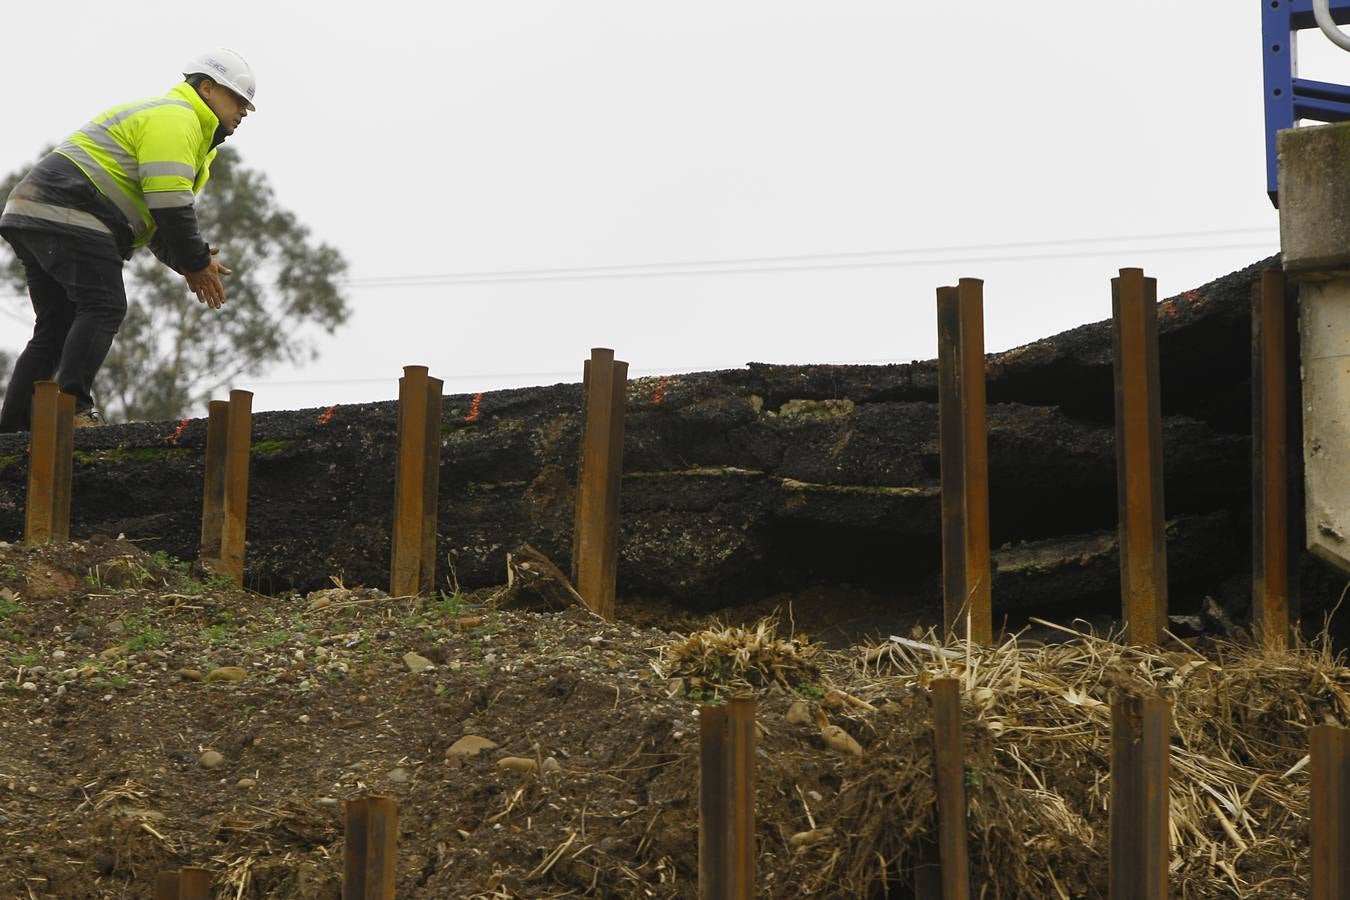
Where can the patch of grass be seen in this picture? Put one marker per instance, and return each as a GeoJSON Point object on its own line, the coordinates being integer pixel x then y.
{"type": "Point", "coordinates": [128, 454]}
{"type": "Point", "coordinates": [212, 584]}
{"type": "Point", "coordinates": [169, 563]}
{"type": "Point", "coordinates": [270, 448]}
{"type": "Point", "coordinates": [24, 660]}
{"type": "Point", "coordinates": [116, 682]}
{"type": "Point", "coordinates": [217, 634]}
{"type": "Point", "coordinates": [272, 639]}
{"type": "Point", "coordinates": [9, 607]}
{"type": "Point", "coordinates": [451, 605]}
{"type": "Point", "coordinates": [810, 691]}
{"type": "Point", "coordinates": [141, 635]}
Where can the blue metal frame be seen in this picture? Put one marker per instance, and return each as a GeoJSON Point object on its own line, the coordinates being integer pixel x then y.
{"type": "Point", "coordinates": [1289, 98]}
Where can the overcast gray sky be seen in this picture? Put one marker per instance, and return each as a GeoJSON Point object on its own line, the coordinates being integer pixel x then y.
{"type": "Point", "coordinates": [857, 154]}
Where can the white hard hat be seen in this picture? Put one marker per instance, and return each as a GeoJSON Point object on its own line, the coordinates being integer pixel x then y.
{"type": "Point", "coordinates": [226, 68]}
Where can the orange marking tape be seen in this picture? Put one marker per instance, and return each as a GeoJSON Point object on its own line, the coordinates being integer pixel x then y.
{"type": "Point", "coordinates": [659, 393]}
{"type": "Point", "coordinates": [172, 440]}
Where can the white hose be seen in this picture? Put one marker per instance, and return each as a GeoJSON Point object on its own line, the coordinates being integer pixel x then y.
{"type": "Point", "coordinates": [1322, 13]}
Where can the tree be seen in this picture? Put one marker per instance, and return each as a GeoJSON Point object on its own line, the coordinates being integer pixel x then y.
{"type": "Point", "coordinates": [173, 353]}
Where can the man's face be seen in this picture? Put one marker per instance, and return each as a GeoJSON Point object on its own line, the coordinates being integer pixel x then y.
{"type": "Point", "coordinates": [228, 106]}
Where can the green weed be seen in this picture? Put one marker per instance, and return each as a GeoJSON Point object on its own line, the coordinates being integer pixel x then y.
{"type": "Point", "coordinates": [9, 607]}
{"type": "Point", "coordinates": [448, 606]}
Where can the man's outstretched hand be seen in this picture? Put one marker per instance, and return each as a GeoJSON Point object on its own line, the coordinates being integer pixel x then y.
{"type": "Point", "coordinates": [206, 283]}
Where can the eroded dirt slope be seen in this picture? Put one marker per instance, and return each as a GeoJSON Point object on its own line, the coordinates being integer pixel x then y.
{"type": "Point", "coordinates": [153, 717]}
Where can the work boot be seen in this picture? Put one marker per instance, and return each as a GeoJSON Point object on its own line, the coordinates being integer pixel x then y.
{"type": "Point", "coordinates": [89, 418]}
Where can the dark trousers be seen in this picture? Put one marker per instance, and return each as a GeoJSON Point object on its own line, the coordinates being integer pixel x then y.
{"type": "Point", "coordinates": [77, 292]}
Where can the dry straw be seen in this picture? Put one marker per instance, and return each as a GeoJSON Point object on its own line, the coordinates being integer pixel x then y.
{"type": "Point", "coordinates": [724, 659]}
{"type": "Point", "coordinates": [1036, 728]}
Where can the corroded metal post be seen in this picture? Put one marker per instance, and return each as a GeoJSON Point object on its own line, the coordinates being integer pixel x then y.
{"type": "Point", "coordinates": [1329, 747]}
{"type": "Point", "coordinates": [166, 885]}
{"type": "Point", "coordinates": [194, 883]}
{"type": "Point", "coordinates": [1270, 494]}
{"type": "Point", "coordinates": [1139, 458]}
{"type": "Point", "coordinates": [213, 481]}
{"type": "Point", "coordinates": [370, 848]}
{"type": "Point", "coordinates": [50, 465]}
{"type": "Point", "coordinates": [416, 483]}
{"type": "Point", "coordinates": [234, 503]}
{"type": "Point", "coordinates": [965, 462]}
{"type": "Point", "coordinates": [595, 557]}
{"type": "Point", "coordinates": [186, 883]}
{"type": "Point", "coordinates": [405, 565]}
{"type": "Point", "coordinates": [1139, 801]}
{"type": "Point", "coordinates": [712, 802]}
{"type": "Point", "coordinates": [431, 485]}
{"type": "Point", "coordinates": [949, 760]}
{"type": "Point", "coordinates": [726, 844]}
{"type": "Point", "coordinates": [64, 468]}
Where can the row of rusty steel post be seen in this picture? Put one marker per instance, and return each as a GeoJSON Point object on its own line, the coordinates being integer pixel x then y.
{"type": "Point", "coordinates": [963, 448]}
{"type": "Point", "coordinates": [595, 540]}
{"type": "Point", "coordinates": [416, 480]}
{"type": "Point", "coordinates": [225, 483]}
{"type": "Point", "coordinates": [369, 857]}
{"type": "Point", "coordinates": [1139, 460]}
{"type": "Point", "coordinates": [1139, 805]}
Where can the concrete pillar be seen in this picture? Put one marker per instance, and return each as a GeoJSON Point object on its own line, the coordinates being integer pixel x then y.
{"type": "Point", "coordinates": [1314, 193]}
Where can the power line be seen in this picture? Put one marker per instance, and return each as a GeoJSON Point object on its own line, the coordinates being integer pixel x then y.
{"type": "Point", "coordinates": [524, 276]}
{"type": "Point", "coordinates": [393, 379]}
{"type": "Point", "coordinates": [790, 261]}
{"type": "Point", "coordinates": [574, 374]}
{"type": "Point", "coordinates": [866, 259]}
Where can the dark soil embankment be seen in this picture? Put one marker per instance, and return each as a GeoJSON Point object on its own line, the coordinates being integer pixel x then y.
{"type": "Point", "coordinates": [817, 484]}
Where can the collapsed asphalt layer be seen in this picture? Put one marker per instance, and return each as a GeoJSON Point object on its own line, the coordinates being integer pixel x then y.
{"type": "Point", "coordinates": [814, 482]}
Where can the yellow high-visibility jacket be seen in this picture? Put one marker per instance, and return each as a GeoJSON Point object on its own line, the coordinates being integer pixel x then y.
{"type": "Point", "coordinates": [155, 154]}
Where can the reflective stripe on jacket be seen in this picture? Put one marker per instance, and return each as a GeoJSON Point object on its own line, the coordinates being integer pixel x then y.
{"type": "Point", "coordinates": [155, 154]}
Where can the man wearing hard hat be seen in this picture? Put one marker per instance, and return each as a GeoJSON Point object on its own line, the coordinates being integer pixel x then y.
{"type": "Point", "coordinates": [128, 179]}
